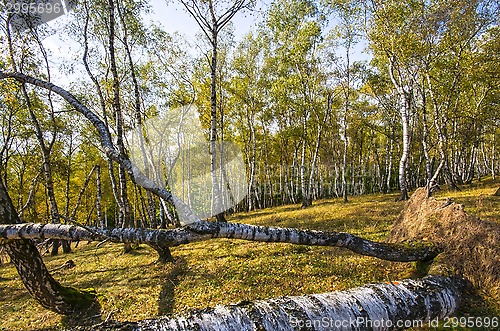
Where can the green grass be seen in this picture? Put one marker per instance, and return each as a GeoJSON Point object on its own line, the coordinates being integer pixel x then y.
{"type": "Point", "coordinates": [132, 287]}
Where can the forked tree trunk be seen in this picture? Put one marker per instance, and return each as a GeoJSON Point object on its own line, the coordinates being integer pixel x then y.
{"type": "Point", "coordinates": [35, 276]}
{"type": "Point", "coordinates": [405, 113]}
{"type": "Point", "coordinates": [397, 305]}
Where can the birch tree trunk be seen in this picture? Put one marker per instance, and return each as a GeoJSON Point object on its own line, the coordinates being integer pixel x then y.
{"type": "Point", "coordinates": [314, 161]}
{"type": "Point", "coordinates": [251, 189]}
{"type": "Point", "coordinates": [102, 102]}
{"type": "Point", "coordinates": [404, 155]}
{"type": "Point", "coordinates": [303, 182]}
{"type": "Point", "coordinates": [98, 198]}
{"type": "Point", "coordinates": [125, 213]}
{"type": "Point", "coordinates": [346, 108]}
{"type": "Point", "coordinates": [425, 146]}
{"type": "Point", "coordinates": [405, 123]}
{"type": "Point", "coordinates": [211, 22]}
{"type": "Point", "coordinates": [344, 159]}
{"type": "Point", "coordinates": [216, 192]}
{"type": "Point", "coordinates": [202, 230]}
{"type": "Point", "coordinates": [151, 210]}
{"type": "Point", "coordinates": [388, 165]}
{"type": "Point", "coordinates": [388, 306]}
{"type": "Point", "coordinates": [45, 148]}
{"type": "Point", "coordinates": [493, 159]}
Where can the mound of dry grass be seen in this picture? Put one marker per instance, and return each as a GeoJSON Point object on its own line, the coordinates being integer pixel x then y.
{"type": "Point", "coordinates": [470, 246]}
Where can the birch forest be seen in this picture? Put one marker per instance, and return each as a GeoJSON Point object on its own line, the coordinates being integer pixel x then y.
{"type": "Point", "coordinates": [112, 122]}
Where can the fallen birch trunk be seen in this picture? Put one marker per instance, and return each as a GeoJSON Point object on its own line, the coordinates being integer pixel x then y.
{"type": "Point", "coordinates": [398, 305]}
{"type": "Point", "coordinates": [200, 231]}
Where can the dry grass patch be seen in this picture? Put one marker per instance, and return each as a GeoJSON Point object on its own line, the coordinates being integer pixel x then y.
{"type": "Point", "coordinates": [470, 246]}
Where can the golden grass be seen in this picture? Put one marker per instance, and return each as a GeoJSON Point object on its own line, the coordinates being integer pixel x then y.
{"type": "Point", "coordinates": [478, 199]}
{"type": "Point", "coordinates": [132, 287]}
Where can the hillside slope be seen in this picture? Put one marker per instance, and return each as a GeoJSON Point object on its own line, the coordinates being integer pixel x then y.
{"type": "Point", "coordinates": [132, 287]}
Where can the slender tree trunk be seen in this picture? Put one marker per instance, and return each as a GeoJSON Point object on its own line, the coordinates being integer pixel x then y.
{"type": "Point", "coordinates": [216, 192]}
{"type": "Point", "coordinates": [344, 169]}
{"type": "Point", "coordinates": [138, 116]}
{"type": "Point", "coordinates": [425, 146]}
{"type": "Point", "coordinates": [347, 93]}
{"type": "Point", "coordinates": [252, 166]}
{"type": "Point", "coordinates": [321, 125]}
{"type": "Point", "coordinates": [493, 173]}
{"type": "Point", "coordinates": [303, 183]}
{"type": "Point", "coordinates": [98, 199]}
{"type": "Point", "coordinates": [125, 213]}
{"type": "Point", "coordinates": [431, 180]}
{"type": "Point", "coordinates": [404, 155]}
{"type": "Point", "coordinates": [66, 245]}
{"type": "Point", "coordinates": [405, 122]}
{"type": "Point", "coordinates": [388, 168]}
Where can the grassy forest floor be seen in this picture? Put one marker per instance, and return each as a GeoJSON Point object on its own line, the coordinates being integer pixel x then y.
{"type": "Point", "coordinates": [132, 287]}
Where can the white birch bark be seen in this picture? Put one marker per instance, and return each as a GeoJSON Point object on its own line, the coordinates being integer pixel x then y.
{"type": "Point", "coordinates": [405, 123]}
{"type": "Point", "coordinates": [200, 231]}
{"type": "Point", "coordinates": [370, 307]}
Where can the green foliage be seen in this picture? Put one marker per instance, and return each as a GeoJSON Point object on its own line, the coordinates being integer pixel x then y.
{"type": "Point", "coordinates": [288, 82]}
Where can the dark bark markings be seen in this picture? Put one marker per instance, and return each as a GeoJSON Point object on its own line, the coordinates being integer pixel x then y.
{"type": "Point", "coordinates": [409, 300]}
{"type": "Point", "coordinates": [207, 230]}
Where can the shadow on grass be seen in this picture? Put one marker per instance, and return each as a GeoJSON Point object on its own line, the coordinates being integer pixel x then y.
{"type": "Point", "coordinates": [166, 301]}
{"type": "Point", "coordinates": [84, 318]}
{"type": "Point", "coordinates": [240, 217]}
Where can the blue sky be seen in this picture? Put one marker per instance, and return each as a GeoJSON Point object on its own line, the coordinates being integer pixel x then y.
{"type": "Point", "coordinates": [172, 16]}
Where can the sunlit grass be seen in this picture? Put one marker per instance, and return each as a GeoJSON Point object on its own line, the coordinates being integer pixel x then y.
{"type": "Point", "coordinates": [478, 199]}
{"type": "Point", "coordinates": [132, 287]}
